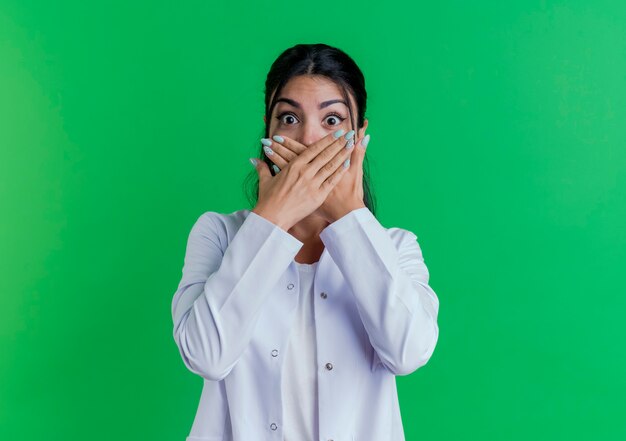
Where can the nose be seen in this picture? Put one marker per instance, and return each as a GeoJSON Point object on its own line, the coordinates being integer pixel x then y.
{"type": "Point", "coordinates": [311, 132]}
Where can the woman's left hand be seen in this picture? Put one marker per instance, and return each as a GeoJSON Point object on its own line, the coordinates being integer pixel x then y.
{"type": "Point", "coordinates": [347, 195]}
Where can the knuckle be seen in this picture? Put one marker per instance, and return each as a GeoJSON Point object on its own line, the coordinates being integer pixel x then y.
{"type": "Point", "coordinates": [307, 173]}
{"type": "Point", "coordinates": [296, 166]}
{"type": "Point", "coordinates": [328, 167]}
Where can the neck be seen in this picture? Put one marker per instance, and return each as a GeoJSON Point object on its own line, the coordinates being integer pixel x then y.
{"type": "Point", "coordinates": [307, 231]}
{"type": "Point", "coordinates": [309, 228]}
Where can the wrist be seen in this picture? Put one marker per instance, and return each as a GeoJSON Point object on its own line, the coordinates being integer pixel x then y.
{"type": "Point", "coordinates": [271, 217]}
{"type": "Point", "coordinates": [345, 209]}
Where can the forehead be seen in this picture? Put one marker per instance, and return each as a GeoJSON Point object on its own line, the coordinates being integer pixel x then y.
{"type": "Point", "coordinates": [311, 89]}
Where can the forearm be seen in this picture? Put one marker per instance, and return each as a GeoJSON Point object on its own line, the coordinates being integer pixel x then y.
{"type": "Point", "coordinates": [396, 305]}
{"type": "Point", "coordinates": [213, 328]}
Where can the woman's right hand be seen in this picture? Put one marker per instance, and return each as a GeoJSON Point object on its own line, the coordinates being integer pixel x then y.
{"type": "Point", "coordinates": [302, 186]}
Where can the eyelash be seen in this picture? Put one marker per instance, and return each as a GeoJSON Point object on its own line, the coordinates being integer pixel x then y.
{"type": "Point", "coordinates": [336, 115]}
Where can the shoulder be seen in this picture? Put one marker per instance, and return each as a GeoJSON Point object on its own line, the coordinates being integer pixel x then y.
{"type": "Point", "coordinates": [401, 236]}
{"type": "Point", "coordinates": [223, 219]}
{"type": "Point", "coordinates": [220, 226]}
{"type": "Point", "coordinates": [366, 219]}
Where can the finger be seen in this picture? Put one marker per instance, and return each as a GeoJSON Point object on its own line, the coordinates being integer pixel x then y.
{"type": "Point", "coordinates": [338, 158]}
{"type": "Point", "coordinates": [331, 181]}
{"type": "Point", "coordinates": [360, 133]}
{"type": "Point", "coordinates": [314, 149]}
{"type": "Point", "coordinates": [359, 152]}
{"type": "Point", "coordinates": [325, 140]}
{"type": "Point", "coordinates": [274, 157]}
{"type": "Point", "coordinates": [262, 170]}
{"type": "Point", "coordinates": [326, 156]}
{"type": "Point", "coordinates": [287, 147]}
{"type": "Point", "coordinates": [365, 141]}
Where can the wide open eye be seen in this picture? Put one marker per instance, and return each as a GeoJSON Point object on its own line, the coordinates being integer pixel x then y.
{"type": "Point", "coordinates": [287, 118]}
{"type": "Point", "coordinates": [338, 119]}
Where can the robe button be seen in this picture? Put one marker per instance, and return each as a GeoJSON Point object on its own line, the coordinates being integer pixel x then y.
{"type": "Point", "coordinates": [274, 352]}
{"type": "Point", "coordinates": [290, 286]}
{"type": "Point", "coordinates": [273, 426]}
{"type": "Point", "coordinates": [323, 295]}
{"type": "Point", "coordinates": [329, 366]}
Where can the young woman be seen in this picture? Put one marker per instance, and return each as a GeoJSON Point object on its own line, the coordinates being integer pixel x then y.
{"type": "Point", "coordinates": [300, 312]}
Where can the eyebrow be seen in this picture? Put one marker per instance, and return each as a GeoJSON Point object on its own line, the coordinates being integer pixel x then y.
{"type": "Point", "coordinates": [298, 106]}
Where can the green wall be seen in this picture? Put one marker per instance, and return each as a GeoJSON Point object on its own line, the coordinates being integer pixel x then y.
{"type": "Point", "coordinates": [498, 137]}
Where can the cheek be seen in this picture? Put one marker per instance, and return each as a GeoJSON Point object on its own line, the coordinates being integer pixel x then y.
{"type": "Point", "coordinates": [344, 125]}
{"type": "Point", "coordinates": [277, 126]}
{"type": "Point", "coordinates": [279, 129]}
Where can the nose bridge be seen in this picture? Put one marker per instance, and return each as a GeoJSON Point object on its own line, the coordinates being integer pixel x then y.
{"type": "Point", "coordinates": [311, 131]}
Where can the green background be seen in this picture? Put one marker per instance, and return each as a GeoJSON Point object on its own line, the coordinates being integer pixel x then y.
{"type": "Point", "coordinates": [498, 134]}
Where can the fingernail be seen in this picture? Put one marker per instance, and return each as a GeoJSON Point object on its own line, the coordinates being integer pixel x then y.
{"type": "Point", "coordinates": [338, 133]}
{"type": "Point", "coordinates": [268, 151]}
{"type": "Point", "coordinates": [350, 143]}
{"type": "Point", "coordinates": [266, 142]}
{"type": "Point", "coordinates": [365, 141]}
{"type": "Point", "coordinates": [346, 163]}
{"type": "Point", "coordinates": [275, 168]}
{"type": "Point", "coordinates": [349, 134]}
{"type": "Point", "coordinates": [278, 138]}
{"type": "Point", "coordinates": [253, 161]}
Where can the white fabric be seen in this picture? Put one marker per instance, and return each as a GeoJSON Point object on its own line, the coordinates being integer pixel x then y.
{"type": "Point", "coordinates": [236, 302]}
{"type": "Point", "coordinates": [299, 376]}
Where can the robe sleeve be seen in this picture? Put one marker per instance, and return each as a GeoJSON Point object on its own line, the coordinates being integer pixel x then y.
{"type": "Point", "coordinates": [222, 291]}
{"type": "Point", "coordinates": [389, 282]}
